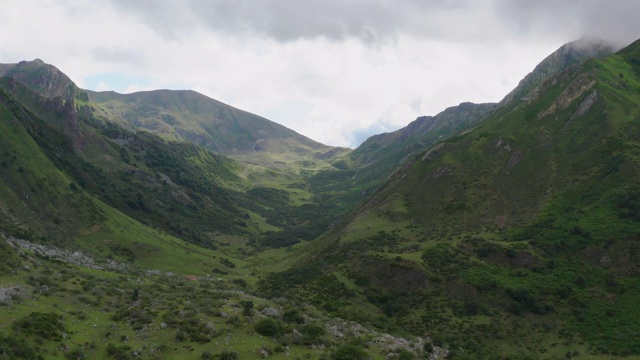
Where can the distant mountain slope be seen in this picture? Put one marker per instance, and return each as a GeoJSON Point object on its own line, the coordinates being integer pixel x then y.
{"type": "Point", "coordinates": [382, 153]}
{"type": "Point", "coordinates": [506, 170]}
{"type": "Point", "coordinates": [357, 174]}
{"type": "Point", "coordinates": [193, 117]}
{"type": "Point", "coordinates": [52, 194]}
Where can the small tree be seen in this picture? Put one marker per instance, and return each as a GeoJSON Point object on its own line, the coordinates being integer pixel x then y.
{"type": "Point", "coordinates": [247, 307]}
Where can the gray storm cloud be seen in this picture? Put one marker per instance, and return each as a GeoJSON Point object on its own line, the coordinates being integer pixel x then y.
{"type": "Point", "coordinates": [282, 20]}
{"type": "Point", "coordinates": [379, 21]}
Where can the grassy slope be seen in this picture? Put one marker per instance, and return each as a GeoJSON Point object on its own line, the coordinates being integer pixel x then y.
{"type": "Point", "coordinates": [180, 188]}
{"type": "Point", "coordinates": [65, 311]}
{"type": "Point", "coordinates": [36, 195]}
{"type": "Point", "coordinates": [42, 203]}
{"type": "Point", "coordinates": [518, 232]}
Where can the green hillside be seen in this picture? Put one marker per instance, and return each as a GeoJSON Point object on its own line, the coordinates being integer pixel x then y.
{"type": "Point", "coordinates": [517, 238]}
{"type": "Point", "coordinates": [173, 186]}
{"type": "Point", "coordinates": [356, 175]}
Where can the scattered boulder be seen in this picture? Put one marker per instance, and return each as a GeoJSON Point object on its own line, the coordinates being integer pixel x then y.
{"type": "Point", "coordinates": [269, 311]}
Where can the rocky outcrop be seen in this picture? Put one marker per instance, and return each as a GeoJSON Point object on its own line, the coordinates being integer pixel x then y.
{"type": "Point", "coordinates": [586, 104]}
{"type": "Point", "coordinates": [573, 91]}
{"type": "Point", "coordinates": [68, 256]}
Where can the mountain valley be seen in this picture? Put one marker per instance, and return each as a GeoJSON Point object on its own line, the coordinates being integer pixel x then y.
{"type": "Point", "coordinates": [165, 224]}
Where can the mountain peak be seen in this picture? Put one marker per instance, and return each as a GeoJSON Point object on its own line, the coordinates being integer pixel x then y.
{"type": "Point", "coordinates": [569, 54]}
{"type": "Point", "coordinates": [37, 62]}
{"type": "Point", "coordinates": [590, 44]}
{"type": "Point", "coordinates": [43, 78]}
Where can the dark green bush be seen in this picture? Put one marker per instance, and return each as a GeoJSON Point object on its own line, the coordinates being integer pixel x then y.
{"type": "Point", "coordinates": [268, 327]}
{"type": "Point", "coordinates": [75, 354]}
{"type": "Point", "coordinates": [121, 352]}
{"type": "Point", "coordinates": [293, 316]}
{"type": "Point", "coordinates": [349, 352]}
{"type": "Point", "coordinates": [312, 332]}
{"type": "Point", "coordinates": [228, 355]}
{"type": "Point", "coordinates": [406, 355]}
{"type": "Point", "coordinates": [247, 307]}
{"type": "Point", "coordinates": [46, 326]}
{"type": "Point", "coordinates": [13, 348]}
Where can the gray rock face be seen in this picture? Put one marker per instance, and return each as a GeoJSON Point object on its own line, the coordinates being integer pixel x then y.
{"type": "Point", "coordinates": [586, 104]}
{"type": "Point", "coordinates": [8, 293]}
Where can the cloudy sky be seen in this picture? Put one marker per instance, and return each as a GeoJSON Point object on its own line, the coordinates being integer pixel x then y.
{"type": "Point", "coordinates": [336, 71]}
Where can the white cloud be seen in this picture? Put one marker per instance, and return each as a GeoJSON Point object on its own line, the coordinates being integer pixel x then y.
{"type": "Point", "coordinates": [103, 86]}
{"type": "Point", "coordinates": [331, 70]}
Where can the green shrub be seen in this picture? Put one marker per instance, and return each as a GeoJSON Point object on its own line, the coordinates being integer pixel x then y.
{"type": "Point", "coordinates": [312, 332]}
{"type": "Point", "coordinates": [119, 352]}
{"type": "Point", "coordinates": [406, 355]}
{"type": "Point", "coordinates": [228, 355]}
{"type": "Point", "coordinates": [46, 326]}
{"type": "Point", "coordinates": [268, 327]}
{"type": "Point", "coordinates": [247, 307]}
{"type": "Point", "coordinates": [293, 316]}
{"type": "Point", "coordinates": [75, 354]}
{"type": "Point", "coordinates": [13, 348]}
{"type": "Point", "coordinates": [349, 352]}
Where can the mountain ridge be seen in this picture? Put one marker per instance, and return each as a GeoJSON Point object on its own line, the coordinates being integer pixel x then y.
{"type": "Point", "coordinates": [177, 100]}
